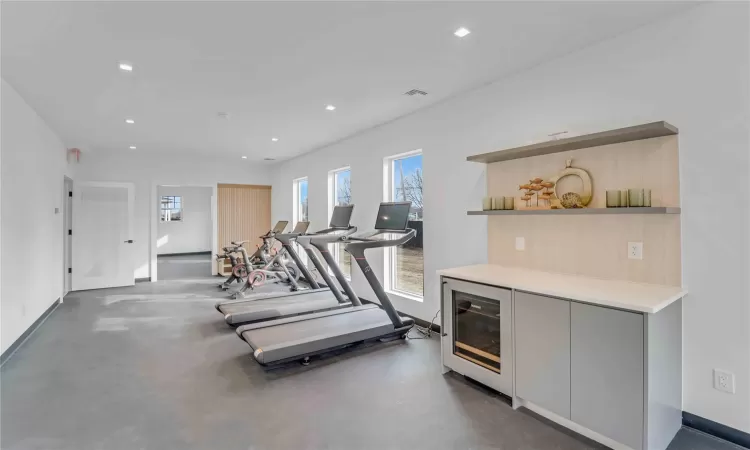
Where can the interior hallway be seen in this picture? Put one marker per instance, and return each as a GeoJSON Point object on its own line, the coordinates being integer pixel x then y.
{"type": "Point", "coordinates": [154, 366]}
{"type": "Point", "coordinates": [176, 267]}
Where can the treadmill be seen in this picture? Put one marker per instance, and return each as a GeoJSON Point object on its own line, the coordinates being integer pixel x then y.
{"type": "Point", "coordinates": [319, 297]}
{"type": "Point", "coordinates": [297, 338]}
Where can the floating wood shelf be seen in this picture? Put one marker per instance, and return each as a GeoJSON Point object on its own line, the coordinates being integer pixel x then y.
{"type": "Point", "coordinates": [578, 211]}
{"type": "Point", "coordinates": [646, 131]}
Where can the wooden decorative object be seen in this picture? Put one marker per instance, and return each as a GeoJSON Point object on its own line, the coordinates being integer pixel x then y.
{"type": "Point", "coordinates": [539, 188]}
{"type": "Point", "coordinates": [585, 196]}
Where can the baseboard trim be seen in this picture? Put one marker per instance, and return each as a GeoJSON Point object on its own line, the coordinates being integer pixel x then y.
{"type": "Point", "coordinates": [183, 254]}
{"type": "Point", "coordinates": [7, 354]}
{"type": "Point", "coordinates": [142, 280]}
{"type": "Point", "coordinates": [716, 429]}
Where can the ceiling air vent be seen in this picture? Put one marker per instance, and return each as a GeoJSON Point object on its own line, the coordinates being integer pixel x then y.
{"type": "Point", "coordinates": [415, 92]}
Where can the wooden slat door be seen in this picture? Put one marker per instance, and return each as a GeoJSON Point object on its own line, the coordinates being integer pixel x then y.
{"type": "Point", "coordinates": [244, 213]}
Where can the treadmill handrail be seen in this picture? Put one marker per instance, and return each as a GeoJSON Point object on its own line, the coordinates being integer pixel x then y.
{"type": "Point", "coordinates": [356, 247]}
{"type": "Point", "coordinates": [364, 242]}
{"type": "Point", "coordinates": [326, 236]}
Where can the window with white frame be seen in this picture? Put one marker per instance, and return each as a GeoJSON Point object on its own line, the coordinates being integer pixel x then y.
{"type": "Point", "coordinates": [300, 211]}
{"type": "Point", "coordinates": [340, 193]}
{"type": "Point", "coordinates": [300, 201]}
{"type": "Point", "coordinates": [171, 208]}
{"type": "Point", "coordinates": [405, 264]}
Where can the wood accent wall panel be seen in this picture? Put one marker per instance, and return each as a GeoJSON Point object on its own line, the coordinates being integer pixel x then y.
{"type": "Point", "coordinates": [595, 245]}
{"type": "Point", "coordinates": [244, 213]}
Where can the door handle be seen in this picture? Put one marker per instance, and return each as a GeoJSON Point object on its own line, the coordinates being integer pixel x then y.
{"type": "Point", "coordinates": [129, 241]}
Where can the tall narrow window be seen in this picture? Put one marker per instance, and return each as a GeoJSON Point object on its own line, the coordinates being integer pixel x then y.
{"type": "Point", "coordinates": [405, 264]}
{"type": "Point", "coordinates": [300, 200]}
{"type": "Point", "coordinates": [300, 212]}
{"type": "Point", "coordinates": [340, 187]}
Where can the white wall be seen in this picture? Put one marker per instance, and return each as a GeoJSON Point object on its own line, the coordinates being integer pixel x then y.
{"type": "Point", "coordinates": [147, 171]}
{"type": "Point", "coordinates": [691, 70]}
{"type": "Point", "coordinates": [195, 231]}
{"type": "Point", "coordinates": [33, 166]}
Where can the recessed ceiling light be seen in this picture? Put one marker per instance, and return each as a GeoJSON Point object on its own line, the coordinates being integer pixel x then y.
{"type": "Point", "coordinates": [244, 157]}
{"type": "Point", "coordinates": [223, 115]}
{"type": "Point", "coordinates": [126, 66]}
{"type": "Point", "coordinates": [132, 147]}
{"type": "Point", "coordinates": [130, 121]}
{"type": "Point", "coordinates": [275, 139]}
{"type": "Point", "coordinates": [461, 32]}
{"type": "Point", "coordinates": [269, 159]}
{"type": "Point", "coordinates": [330, 107]}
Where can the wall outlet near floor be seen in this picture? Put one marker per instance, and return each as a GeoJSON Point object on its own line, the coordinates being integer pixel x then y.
{"type": "Point", "coordinates": [520, 244]}
{"type": "Point", "coordinates": [724, 381]}
{"type": "Point", "coordinates": [635, 250]}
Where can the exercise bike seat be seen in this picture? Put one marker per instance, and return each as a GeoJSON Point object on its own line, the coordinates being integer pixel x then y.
{"type": "Point", "coordinates": [238, 243]}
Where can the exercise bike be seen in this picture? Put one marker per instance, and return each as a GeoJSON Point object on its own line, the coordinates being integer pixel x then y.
{"type": "Point", "coordinates": [281, 269]}
{"type": "Point", "coordinates": [260, 258]}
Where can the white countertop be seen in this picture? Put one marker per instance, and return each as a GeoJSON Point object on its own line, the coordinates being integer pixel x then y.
{"type": "Point", "coordinates": [641, 297]}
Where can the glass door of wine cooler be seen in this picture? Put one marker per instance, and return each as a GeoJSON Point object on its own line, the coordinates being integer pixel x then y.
{"type": "Point", "coordinates": [478, 335]}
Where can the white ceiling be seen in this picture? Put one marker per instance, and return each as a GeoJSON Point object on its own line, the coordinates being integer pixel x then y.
{"type": "Point", "coordinates": [274, 66]}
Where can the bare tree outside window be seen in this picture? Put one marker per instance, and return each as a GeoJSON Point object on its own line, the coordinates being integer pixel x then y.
{"type": "Point", "coordinates": [345, 191]}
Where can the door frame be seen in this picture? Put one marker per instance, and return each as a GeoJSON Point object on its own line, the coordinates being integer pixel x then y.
{"type": "Point", "coordinates": [155, 205]}
{"type": "Point", "coordinates": [67, 216]}
{"type": "Point", "coordinates": [131, 209]}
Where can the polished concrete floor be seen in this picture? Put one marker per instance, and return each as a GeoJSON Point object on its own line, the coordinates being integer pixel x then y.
{"type": "Point", "coordinates": [155, 367]}
{"type": "Point", "coordinates": [177, 267]}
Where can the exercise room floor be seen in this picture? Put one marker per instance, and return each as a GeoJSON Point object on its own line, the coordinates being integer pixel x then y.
{"type": "Point", "coordinates": [155, 367]}
{"type": "Point", "coordinates": [176, 267]}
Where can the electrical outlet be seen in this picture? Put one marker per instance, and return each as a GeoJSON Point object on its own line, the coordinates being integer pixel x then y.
{"type": "Point", "coordinates": [635, 250]}
{"type": "Point", "coordinates": [724, 381]}
{"type": "Point", "coordinates": [520, 244]}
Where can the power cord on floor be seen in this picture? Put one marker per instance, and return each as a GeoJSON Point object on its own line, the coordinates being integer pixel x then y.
{"type": "Point", "coordinates": [424, 333]}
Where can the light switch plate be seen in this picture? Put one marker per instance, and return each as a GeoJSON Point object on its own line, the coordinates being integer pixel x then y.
{"type": "Point", "coordinates": [724, 381]}
{"type": "Point", "coordinates": [520, 244]}
{"type": "Point", "coordinates": [635, 250]}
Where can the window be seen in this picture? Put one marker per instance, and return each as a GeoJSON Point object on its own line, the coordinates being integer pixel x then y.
{"type": "Point", "coordinates": [340, 188]}
{"type": "Point", "coordinates": [405, 264]}
{"type": "Point", "coordinates": [171, 208]}
{"type": "Point", "coordinates": [300, 212]}
{"type": "Point", "coordinates": [300, 201]}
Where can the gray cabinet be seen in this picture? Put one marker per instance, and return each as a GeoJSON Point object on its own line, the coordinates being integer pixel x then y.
{"type": "Point", "coordinates": [607, 372]}
{"type": "Point", "coordinates": [542, 330]}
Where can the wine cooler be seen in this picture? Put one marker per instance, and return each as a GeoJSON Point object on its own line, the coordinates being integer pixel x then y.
{"type": "Point", "coordinates": [477, 337]}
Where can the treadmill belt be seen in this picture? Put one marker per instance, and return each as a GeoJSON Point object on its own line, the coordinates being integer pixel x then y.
{"type": "Point", "coordinates": [294, 339]}
{"type": "Point", "coordinates": [275, 307]}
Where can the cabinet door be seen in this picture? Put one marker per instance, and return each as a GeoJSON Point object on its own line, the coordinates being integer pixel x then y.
{"type": "Point", "coordinates": [606, 393]}
{"type": "Point", "coordinates": [542, 327]}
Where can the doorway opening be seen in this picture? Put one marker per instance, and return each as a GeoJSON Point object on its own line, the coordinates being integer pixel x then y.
{"type": "Point", "coordinates": [185, 224]}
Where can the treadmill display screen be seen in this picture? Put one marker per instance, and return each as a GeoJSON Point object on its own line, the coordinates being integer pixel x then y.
{"type": "Point", "coordinates": [280, 226]}
{"type": "Point", "coordinates": [341, 216]}
{"type": "Point", "coordinates": [393, 216]}
{"type": "Point", "coordinates": [301, 227]}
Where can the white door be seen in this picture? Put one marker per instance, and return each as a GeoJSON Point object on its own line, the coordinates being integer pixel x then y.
{"type": "Point", "coordinates": [102, 235]}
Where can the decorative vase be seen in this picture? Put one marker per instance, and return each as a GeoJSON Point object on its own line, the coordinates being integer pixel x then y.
{"type": "Point", "coordinates": [635, 197]}
{"type": "Point", "coordinates": [613, 199]}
